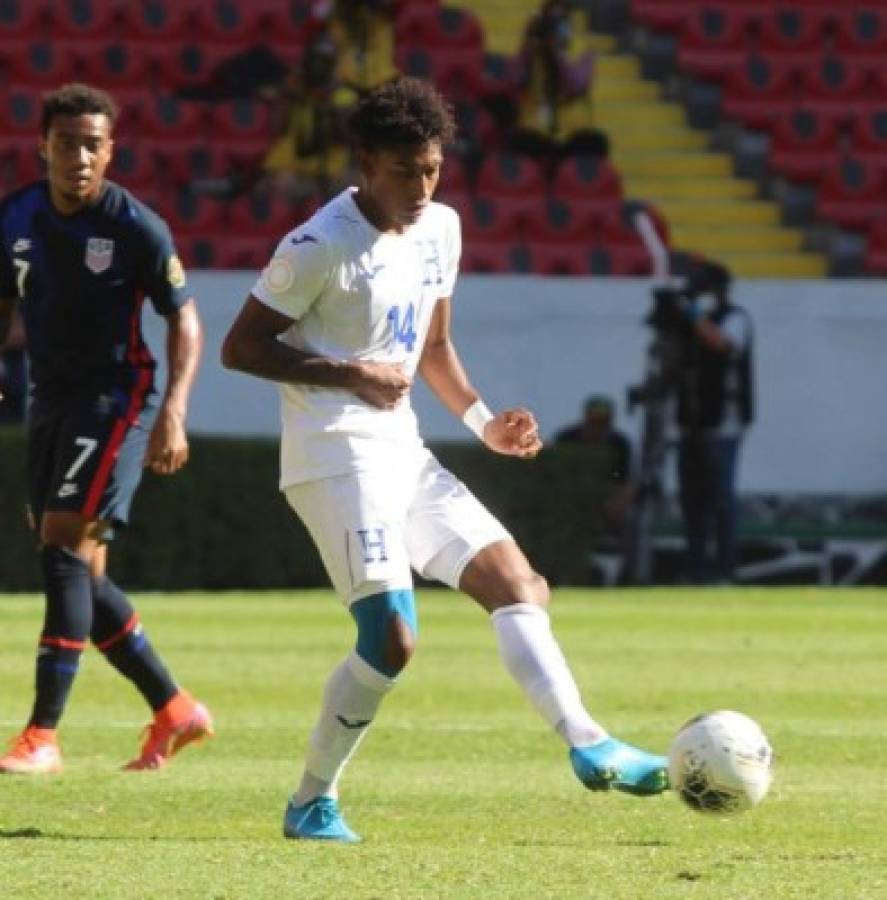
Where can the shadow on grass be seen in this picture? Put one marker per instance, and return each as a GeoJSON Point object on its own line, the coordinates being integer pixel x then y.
{"type": "Point", "coordinates": [32, 834]}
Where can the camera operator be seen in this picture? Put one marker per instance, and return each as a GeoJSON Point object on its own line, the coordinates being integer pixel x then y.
{"type": "Point", "coordinates": [714, 407]}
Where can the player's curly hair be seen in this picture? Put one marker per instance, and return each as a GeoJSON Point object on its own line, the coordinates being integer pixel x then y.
{"type": "Point", "coordinates": [76, 99]}
{"type": "Point", "coordinates": [404, 112]}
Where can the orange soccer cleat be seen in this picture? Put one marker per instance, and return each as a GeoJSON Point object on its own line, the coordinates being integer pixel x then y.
{"type": "Point", "coordinates": [33, 752]}
{"type": "Point", "coordinates": [181, 722]}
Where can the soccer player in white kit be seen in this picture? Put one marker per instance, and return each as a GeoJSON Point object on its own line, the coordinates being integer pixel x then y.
{"type": "Point", "coordinates": [353, 303]}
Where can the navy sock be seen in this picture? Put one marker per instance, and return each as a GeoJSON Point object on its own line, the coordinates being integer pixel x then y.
{"type": "Point", "coordinates": [117, 632]}
{"type": "Point", "coordinates": [68, 618]}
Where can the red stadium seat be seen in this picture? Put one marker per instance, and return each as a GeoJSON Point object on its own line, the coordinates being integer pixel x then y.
{"type": "Point", "coordinates": [269, 215]}
{"type": "Point", "coordinates": [837, 87]}
{"type": "Point", "coordinates": [42, 63]}
{"type": "Point", "coordinates": [87, 20]}
{"type": "Point", "coordinates": [713, 41]}
{"type": "Point", "coordinates": [876, 251]}
{"type": "Point", "coordinates": [853, 194]}
{"type": "Point", "coordinates": [197, 251]}
{"type": "Point", "coordinates": [166, 118]}
{"type": "Point", "coordinates": [453, 178]}
{"type": "Point", "coordinates": [240, 119]}
{"type": "Point", "coordinates": [560, 259]}
{"type": "Point", "coordinates": [188, 213]}
{"type": "Point", "coordinates": [20, 111]}
{"type": "Point", "coordinates": [243, 252]}
{"type": "Point", "coordinates": [20, 161]}
{"type": "Point", "coordinates": [506, 174]}
{"type": "Point", "coordinates": [861, 30]}
{"type": "Point", "coordinates": [663, 15]}
{"type": "Point", "coordinates": [587, 180]}
{"type": "Point", "coordinates": [133, 165]}
{"type": "Point", "coordinates": [791, 28]}
{"type": "Point", "coordinates": [112, 64]}
{"type": "Point", "coordinates": [226, 22]}
{"type": "Point", "coordinates": [485, 219]}
{"type": "Point", "coordinates": [182, 65]}
{"type": "Point", "coordinates": [22, 20]}
{"type": "Point", "coordinates": [869, 134]}
{"type": "Point", "coordinates": [166, 21]}
{"type": "Point", "coordinates": [181, 162]}
{"type": "Point", "coordinates": [762, 89]}
{"type": "Point", "coordinates": [495, 257]}
{"type": "Point", "coordinates": [804, 145]}
{"type": "Point", "coordinates": [447, 27]}
{"type": "Point", "coordinates": [561, 222]}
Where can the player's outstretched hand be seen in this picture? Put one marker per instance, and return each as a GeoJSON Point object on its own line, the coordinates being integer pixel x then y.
{"type": "Point", "coordinates": [380, 384]}
{"type": "Point", "coordinates": [514, 432]}
{"type": "Point", "coordinates": [167, 445]}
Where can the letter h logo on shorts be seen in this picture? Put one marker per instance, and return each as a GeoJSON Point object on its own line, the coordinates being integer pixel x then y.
{"type": "Point", "coordinates": [373, 542]}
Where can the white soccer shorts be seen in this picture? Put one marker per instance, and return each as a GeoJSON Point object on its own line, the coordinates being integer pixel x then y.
{"type": "Point", "coordinates": [372, 527]}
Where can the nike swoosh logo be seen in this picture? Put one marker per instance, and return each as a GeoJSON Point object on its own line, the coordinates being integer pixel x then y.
{"type": "Point", "coordinates": [354, 723]}
{"type": "Point", "coordinates": [305, 240]}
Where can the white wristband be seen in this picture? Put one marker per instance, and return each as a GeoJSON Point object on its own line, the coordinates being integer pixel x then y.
{"type": "Point", "coordinates": [476, 417]}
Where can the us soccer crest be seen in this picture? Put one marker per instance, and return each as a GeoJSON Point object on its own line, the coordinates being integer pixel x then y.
{"type": "Point", "coordinates": [98, 254]}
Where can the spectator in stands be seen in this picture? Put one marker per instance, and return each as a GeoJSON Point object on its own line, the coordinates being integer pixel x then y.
{"type": "Point", "coordinates": [13, 375]}
{"type": "Point", "coordinates": [549, 82]}
{"type": "Point", "coordinates": [310, 156]}
{"type": "Point", "coordinates": [597, 430]}
{"type": "Point", "coordinates": [715, 405]}
{"type": "Point", "coordinates": [363, 32]}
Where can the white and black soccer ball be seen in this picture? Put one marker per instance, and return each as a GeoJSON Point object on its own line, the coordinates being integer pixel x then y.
{"type": "Point", "coordinates": [721, 762]}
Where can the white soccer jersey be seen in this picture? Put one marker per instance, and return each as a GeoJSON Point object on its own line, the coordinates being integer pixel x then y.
{"type": "Point", "coordinates": [355, 294]}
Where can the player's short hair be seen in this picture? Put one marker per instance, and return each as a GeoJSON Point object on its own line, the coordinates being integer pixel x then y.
{"type": "Point", "coordinates": [76, 99]}
{"type": "Point", "coordinates": [404, 112]}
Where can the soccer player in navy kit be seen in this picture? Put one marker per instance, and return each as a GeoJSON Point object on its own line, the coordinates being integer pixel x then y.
{"type": "Point", "coordinates": [80, 254]}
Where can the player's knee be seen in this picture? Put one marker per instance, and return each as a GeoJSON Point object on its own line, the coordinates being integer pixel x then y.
{"type": "Point", "coordinates": [529, 587]}
{"type": "Point", "coordinates": [387, 627]}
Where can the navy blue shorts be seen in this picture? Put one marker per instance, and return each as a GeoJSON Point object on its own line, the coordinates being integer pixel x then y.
{"type": "Point", "coordinates": [86, 453]}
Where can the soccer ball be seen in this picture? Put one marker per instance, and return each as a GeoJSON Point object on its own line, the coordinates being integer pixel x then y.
{"type": "Point", "coordinates": [720, 762]}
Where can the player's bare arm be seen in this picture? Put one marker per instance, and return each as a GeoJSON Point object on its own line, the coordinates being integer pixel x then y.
{"type": "Point", "coordinates": [168, 444]}
{"type": "Point", "coordinates": [252, 346]}
{"type": "Point", "coordinates": [513, 432]}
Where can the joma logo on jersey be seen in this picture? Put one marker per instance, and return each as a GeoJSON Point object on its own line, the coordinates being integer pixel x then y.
{"type": "Point", "coordinates": [99, 252]}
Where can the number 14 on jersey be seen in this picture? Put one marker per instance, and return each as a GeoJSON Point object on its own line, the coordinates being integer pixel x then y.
{"type": "Point", "coordinates": [403, 327]}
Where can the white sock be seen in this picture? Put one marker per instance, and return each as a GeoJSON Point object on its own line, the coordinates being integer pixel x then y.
{"type": "Point", "coordinates": [351, 697]}
{"type": "Point", "coordinates": [535, 661]}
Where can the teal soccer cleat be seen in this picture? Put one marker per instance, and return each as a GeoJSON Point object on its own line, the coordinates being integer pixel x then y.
{"type": "Point", "coordinates": [615, 764]}
{"type": "Point", "coordinates": [317, 820]}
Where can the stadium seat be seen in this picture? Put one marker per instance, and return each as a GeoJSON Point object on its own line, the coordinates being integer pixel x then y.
{"type": "Point", "coordinates": [20, 111]}
{"type": "Point", "coordinates": [226, 22]}
{"type": "Point", "coordinates": [265, 214]}
{"type": "Point", "coordinates": [486, 219]}
{"type": "Point", "coordinates": [713, 41]}
{"type": "Point", "coordinates": [23, 20]}
{"type": "Point", "coordinates": [861, 30]}
{"type": "Point", "coordinates": [495, 257]}
{"type": "Point", "coordinates": [876, 249]}
{"type": "Point", "coordinates": [166, 118]}
{"type": "Point", "coordinates": [42, 63]}
{"type": "Point", "coordinates": [20, 161]}
{"type": "Point", "coordinates": [792, 28]}
{"type": "Point", "coordinates": [761, 89]}
{"type": "Point", "coordinates": [588, 180]}
{"type": "Point", "coordinates": [133, 165]}
{"type": "Point", "coordinates": [804, 145]}
{"type": "Point", "coordinates": [87, 20]}
{"type": "Point", "coordinates": [184, 65]}
{"type": "Point", "coordinates": [560, 221]}
{"type": "Point", "coordinates": [852, 194]}
{"type": "Point", "coordinates": [663, 15]}
{"type": "Point", "coordinates": [869, 134]}
{"type": "Point", "coordinates": [446, 27]}
{"type": "Point", "coordinates": [242, 251]}
{"type": "Point", "coordinates": [453, 177]}
{"type": "Point", "coordinates": [183, 161]}
{"type": "Point", "coordinates": [837, 87]}
{"type": "Point", "coordinates": [112, 64]}
{"type": "Point", "coordinates": [166, 21]}
{"type": "Point", "coordinates": [560, 259]}
{"type": "Point", "coordinates": [507, 174]}
{"type": "Point", "coordinates": [244, 118]}
{"type": "Point", "coordinates": [197, 251]}
{"type": "Point", "coordinates": [188, 213]}
{"type": "Point", "coordinates": [285, 26]}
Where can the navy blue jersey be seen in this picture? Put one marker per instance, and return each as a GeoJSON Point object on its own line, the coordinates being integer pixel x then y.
{"type": "Point", "coordinates": [81, 280]}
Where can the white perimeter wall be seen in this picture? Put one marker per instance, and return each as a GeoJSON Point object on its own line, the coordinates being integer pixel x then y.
{"type": "Point", "coordinates": [549, 342]}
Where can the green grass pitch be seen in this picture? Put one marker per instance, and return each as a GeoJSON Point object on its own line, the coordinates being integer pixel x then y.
{"type": "Point", "coordinates": [460, 790]}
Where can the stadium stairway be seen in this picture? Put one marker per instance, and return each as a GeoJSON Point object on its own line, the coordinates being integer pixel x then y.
{"type": "Point", "coordinates": [662, 159]}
